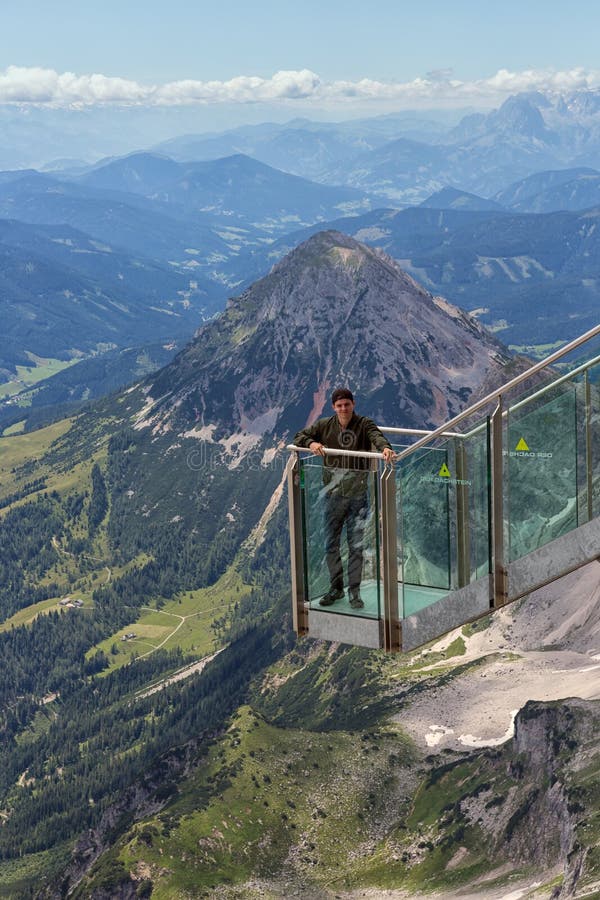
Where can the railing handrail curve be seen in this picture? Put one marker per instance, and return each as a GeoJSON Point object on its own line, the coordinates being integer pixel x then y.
{"type": "Point", "coordinates": [498, 392]}
{"type": "Point", "coordinates": [331, 451]}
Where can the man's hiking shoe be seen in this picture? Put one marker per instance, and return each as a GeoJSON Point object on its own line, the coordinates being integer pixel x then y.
{"type": "Point", "coordinates": [331, 596]}
{"type": "Point", "coordinates": [356, 601]}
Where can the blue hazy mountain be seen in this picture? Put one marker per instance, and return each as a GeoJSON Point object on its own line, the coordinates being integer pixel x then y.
{"type": "Point", "coordinates": [571, 189]}
{"type": "Point", "coordinates": [129, 221]}
{"type": "Point", "coordinates": [481, 155]}
{"type": "Point", "coordinates": [236, 188]}
{"type": "Point", "coordinates": [519, 116]}
{"type": "Point", "coordinates": [529, 133]}
{"type": "Point", "coordinates": [399, 171]}
{"type": "Point", "coordinates": [64, 293]}
{"type": "Point", "coordinates": [451, 198]}
{"type": "Point", "coordinates": [304, 147]}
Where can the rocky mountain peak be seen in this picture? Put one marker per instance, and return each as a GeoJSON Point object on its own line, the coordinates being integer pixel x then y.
{"type": "Point", "coordinates": [519, 116]}
{"type": "Point", "coordinates": [332, 312]}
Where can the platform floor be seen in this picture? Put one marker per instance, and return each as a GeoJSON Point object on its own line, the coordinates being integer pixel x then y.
{"type": "Point", "coordinates": [412, 598]}
{"type": "Point", "coordinates": [417, 597]}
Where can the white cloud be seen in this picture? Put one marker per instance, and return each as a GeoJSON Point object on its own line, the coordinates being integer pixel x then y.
{"type": "Point", "coordinates": [36, 85]}
{"type": "Point", "coordinates": [20, 85]}
{"type": "Point", "coordinates": [243, 89]}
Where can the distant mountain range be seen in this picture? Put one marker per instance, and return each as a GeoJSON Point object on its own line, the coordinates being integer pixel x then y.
{"type": "Point", "coordinates": [503, 223]}
{"type": "Point", "coordinates": [302, 146]}
{"type": "Point", "coordinates": [403, 157]}
{"type": "Point", "coordinates": [63, 293]}
{"type": "Point", "coordinates": [132, 252]}
{"type": "Point", "coordinates": [128, 221]}
{"type": "Point", "coordinates": [235, 189]}
{"type": "Point", "coordinates": [193, 216]}
{"type": "Point", "coordinates": [406, 163]}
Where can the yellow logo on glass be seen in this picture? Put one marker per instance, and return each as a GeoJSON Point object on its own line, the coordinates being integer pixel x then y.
{"type": "Point", "coordinates": [522, 445]}
{"type": "Point", "coordinates": [444, 471]}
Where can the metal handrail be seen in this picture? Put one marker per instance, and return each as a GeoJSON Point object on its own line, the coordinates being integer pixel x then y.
{"type": "Point", "coordinates": [548, 387]}
{"type": "Point", "coordinates": [410, 431]}
{"type": "Point", "coordinates": [496, 394]}
{"type": "Point", "coordinates": [366, 454]}
{"type": "Point", "coordinates": [330, 451]}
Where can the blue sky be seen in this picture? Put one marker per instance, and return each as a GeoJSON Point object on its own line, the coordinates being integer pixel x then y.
{"type": "Point", "coordinates": [349, 56]}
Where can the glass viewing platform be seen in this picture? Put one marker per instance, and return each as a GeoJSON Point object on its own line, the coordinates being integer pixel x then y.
{"type": "Point", "coordinates": [500, 500]}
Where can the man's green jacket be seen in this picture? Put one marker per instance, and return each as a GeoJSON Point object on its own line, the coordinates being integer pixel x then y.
{"type": "Point", "coordinates": [361, 434]}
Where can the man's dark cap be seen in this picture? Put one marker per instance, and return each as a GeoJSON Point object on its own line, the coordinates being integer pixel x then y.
{"type": "Point", "coordinates": [342, 394]}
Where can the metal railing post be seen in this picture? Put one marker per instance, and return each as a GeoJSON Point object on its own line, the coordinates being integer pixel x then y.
{"type": "Point", "coordinates": [499, 572]}
{"type": "Point", "coordinates": [299, 594]}
{"type": "Point", "coordinates": [462, 515]}
{"type": "Point", "coordinates": [392, 629]}
{"type": "Point", "coordinates": [588, 447]}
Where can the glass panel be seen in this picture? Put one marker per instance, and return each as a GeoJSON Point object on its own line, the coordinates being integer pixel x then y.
{"type": "Point", "coordinates": [443, 519]}
{"type": "Point", "coordinates": [594, 438]}
{"type": "Point", "coordinates": [542, 471]}
{"type": "Point", "coordinates": [341, 546]}
{"type": "Point", "coordinates": [477, 469]}
{"type": "Point", "coordinates": [424, 518]}
{"type": "Point", "coordinates": [423, 529]}
{"type": "Point", "coordinates": [584, 449]}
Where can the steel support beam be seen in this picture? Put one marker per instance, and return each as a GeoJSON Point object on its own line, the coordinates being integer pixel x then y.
{"type": "Point", "coordinates": [462, 515]}
{"type": "Point", "coordinates": [392, 629]}
{"type": "Point", "coordinates": [499, 572]}
{"type": "Point", "coordinates": [299, 593]}
{"type": "Point", "coordinates": [589, 462]}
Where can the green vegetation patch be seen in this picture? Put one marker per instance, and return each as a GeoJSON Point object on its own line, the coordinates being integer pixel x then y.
{"type": "Point", "coordinates": [19, 877]}
{"type": "Point", "coordinates": [332, 688]}
{"type": "Point", "coordinates": [481, 624]}
{"type": "Point", "coordinates": [17, 428]}
{"type": "Point", "coordinates": [15, 451]}
{"type": "Point", "coordinates": [266, 795]}
{"type": "Point", "coordinates": [428, 657]}
{"type": "Point", "coordinates": [536, 351]}
{"type": "Point", "coordinates": [29, 614]}
{"type": "Point", "coordinates": [187, 622]}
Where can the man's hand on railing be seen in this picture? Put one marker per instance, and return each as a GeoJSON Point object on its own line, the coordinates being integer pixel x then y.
{"type": "Point", "coordinates": [320, 450]}
{"type": "Point", "coordinates": [316, 448]}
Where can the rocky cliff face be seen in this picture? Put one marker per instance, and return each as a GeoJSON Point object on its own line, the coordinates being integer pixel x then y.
{"type": "Point", "coordinates": [552, 805]}
{"type": "Point", "coordinates": [529, 808]}
{"type": "Point", "coordinates": [333, 312]}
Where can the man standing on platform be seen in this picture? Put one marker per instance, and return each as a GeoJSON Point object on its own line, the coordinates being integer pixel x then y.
{"type": "Point", "coordinates": [345, 479]}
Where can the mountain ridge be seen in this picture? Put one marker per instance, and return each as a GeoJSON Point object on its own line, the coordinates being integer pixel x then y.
{"type": "Point", "coordinates": [520, 274]}
{"type": "Point", "coordinates": [321, 307]}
